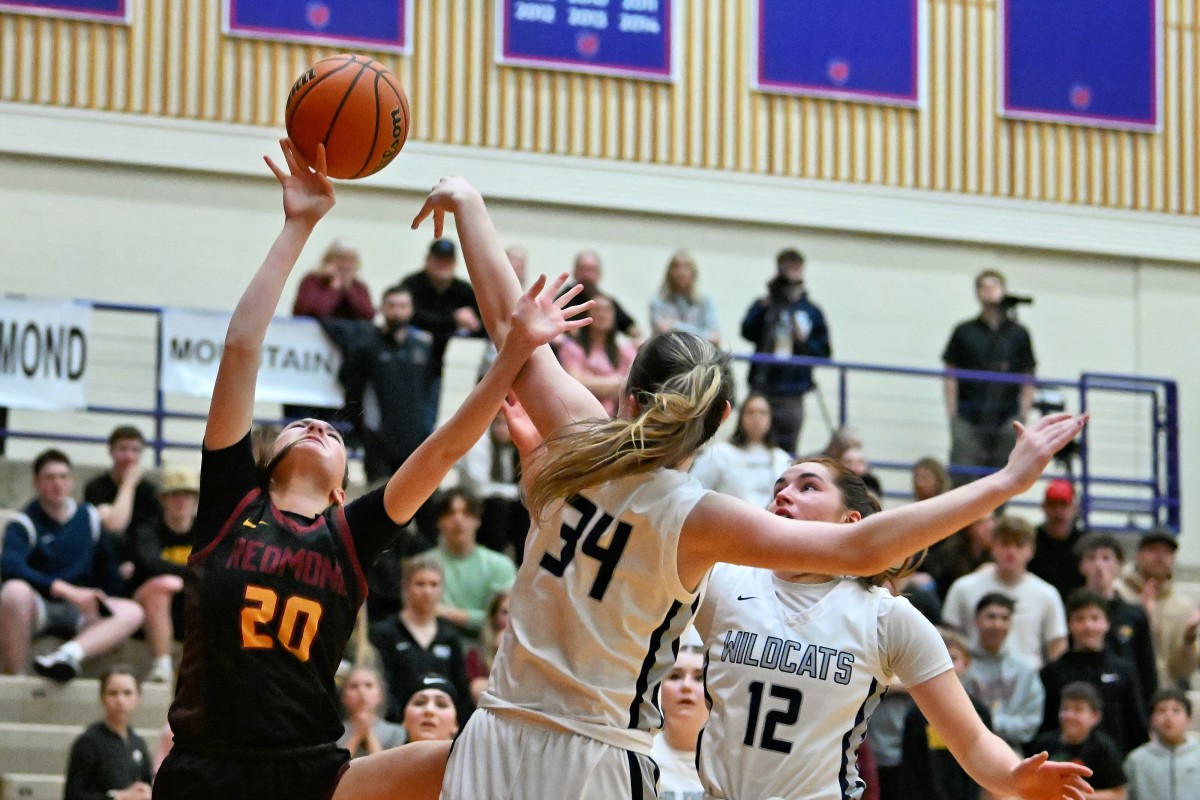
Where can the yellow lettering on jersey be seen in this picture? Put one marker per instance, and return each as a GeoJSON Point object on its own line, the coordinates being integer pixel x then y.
{"type": "Point", "coordinates": [259, 611]}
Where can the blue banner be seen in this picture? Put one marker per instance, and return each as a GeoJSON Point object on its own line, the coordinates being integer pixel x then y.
{"type": "Point", "coordinates": [98, 10]}
{"type": "Point", "coordinates": [366, 24]}
{"type": "Point", "coordinates": [629, 38]}
{"type": "Point", "coordinates": [864, 50]}
{"type": "Point", "coordinates": [1091, 62]}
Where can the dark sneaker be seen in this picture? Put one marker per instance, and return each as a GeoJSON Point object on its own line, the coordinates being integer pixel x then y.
{"type": "Point", "coordinates": [57, 667]}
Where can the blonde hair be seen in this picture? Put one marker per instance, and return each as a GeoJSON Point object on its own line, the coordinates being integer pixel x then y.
{"type": "Point", "coordinates": [682, 385]}
{"type": "Point", "coordinates": [681, 257]}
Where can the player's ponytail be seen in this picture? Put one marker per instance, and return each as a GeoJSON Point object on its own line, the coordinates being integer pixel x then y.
{"type": "Point", "coordinates": [682, 384]}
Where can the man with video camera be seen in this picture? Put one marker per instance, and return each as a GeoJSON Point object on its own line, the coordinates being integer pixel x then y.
{"type": "Point", "coordinates": [981, 412]}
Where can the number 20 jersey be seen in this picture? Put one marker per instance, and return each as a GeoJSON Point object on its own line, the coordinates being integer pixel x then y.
{"type": "Point", "coordinates": [790, 689]}
{"type": "Point", "coordinates": [597, 610]}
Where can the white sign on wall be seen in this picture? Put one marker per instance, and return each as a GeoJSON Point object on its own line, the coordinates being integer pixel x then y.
{"type": "Point", "coordinates": [44, 350]}
{"type": "Point", "coordinates": [299, 362]}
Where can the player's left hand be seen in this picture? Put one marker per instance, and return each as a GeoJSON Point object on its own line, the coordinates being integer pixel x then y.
{"type": "Point", "coordinates": [540, 317]}
{"type": "Point", "coordinates": [1039, 778]}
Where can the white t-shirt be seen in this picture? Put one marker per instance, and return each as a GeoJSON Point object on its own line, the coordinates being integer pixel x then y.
{"type": "Point", "coordinates": [677, 776]}
{"type": "Point", "coordinates": [794, 673]}
{"type": "Point", "coordinates": [1038, 618]}
{"type": "Point", "coordinates": [597, 610]}
{"type": "Point", "coordinates": [749, 473]}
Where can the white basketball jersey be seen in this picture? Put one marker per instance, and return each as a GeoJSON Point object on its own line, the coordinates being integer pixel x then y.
{"type": "Point", "coordinates": [597, 610]}
{"type": "Point", "coordinates": [791, 684]}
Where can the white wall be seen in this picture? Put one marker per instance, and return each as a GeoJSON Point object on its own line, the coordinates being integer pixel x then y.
{"type": "Point", "coordinates": [142, 234]}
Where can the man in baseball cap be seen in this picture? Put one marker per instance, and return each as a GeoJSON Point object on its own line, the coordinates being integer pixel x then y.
{"type": "Point", "coordinates": [1054, 559]}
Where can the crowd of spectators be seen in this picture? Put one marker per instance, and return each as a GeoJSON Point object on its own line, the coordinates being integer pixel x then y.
{"type": "Point", "coordinates": [1060, 644]}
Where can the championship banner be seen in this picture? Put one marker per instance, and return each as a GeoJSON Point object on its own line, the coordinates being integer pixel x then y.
{"type": "Point", "coordinates": [44, 350]}
{"type": "Point", "coordinates": [626, 38]}
{"type": "Point", "coordinates": [299, 363]}
{"type": "Point", "coordinates": [1083, 62]}
{"type": "Point", "coordinates": [116, 11]}
{"type": "Point", "coordinates": [365, 24]}
{"type": "Point", "coordinates": [867, 51]}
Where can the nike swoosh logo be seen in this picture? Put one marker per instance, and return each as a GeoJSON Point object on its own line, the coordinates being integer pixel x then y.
{"type": "Point", "coordinates": [747, 597]}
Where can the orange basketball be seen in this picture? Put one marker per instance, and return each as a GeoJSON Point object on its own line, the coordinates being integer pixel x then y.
{"type": "Point", "coordinates": [355, 107]}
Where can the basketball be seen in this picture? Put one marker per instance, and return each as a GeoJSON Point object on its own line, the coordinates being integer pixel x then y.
{"type": "Point", "coordinates": [355, 107]}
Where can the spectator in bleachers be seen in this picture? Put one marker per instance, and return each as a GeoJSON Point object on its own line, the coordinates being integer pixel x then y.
{"type": "Point", "coordinates": [473, 572]}
{"type": "Point", "coordinates": [681, 696]}
{"type": "Point", "coordinates": [929, 478]}
{"type": "Point", "coordinates": [161, 550]}
{"type": "Point", "coordinates": [961, 554]}
{"type": "Point", "coordinates": [479, 659]}
{"type": "Point", "coordinates": [1078, 738]}
{"type": "Point", "coordinates": [334, 290]}
{"type": "Point", "coordinates": [679, 305]}
{"type": "Point", "coordinates": [981, 413]}
{"type": "Point", "coordinates": [855, 460]}
{"type": "Point", "coordinates": [1039, 625]}
{"type": "Point", "coordinates": [491, 470]}
{"type": "Point", "coordinates": [1173, 616]}
{"type": "Point", "coordinates": [60, 576]}
{"type": "Point", "coordinates": [132, 497]}
{"type": "Point", "coordinates": [1055, 554]}
{"type": "Point", "coordinates": [429, 714]}
{"type": "Point", "coordinates": [588, 272]}
{"type": "Point", "coordinates": [598, 356]}
{"type": "Point", "coordinates": [786, 323]}
{"type": "Point", "coordinates": [747, 465]}
{"type": "Point", "coordinates": [1168, 766]}
{"type": "Point", "coordinates": [110, 759]}
{"type": "Point", "coordinates": [444, 306]}
{"type": "Point", "coordinates": [367, 732]}
{"type": "Point", "coordinates": [1088, 660]}
{"type": "Point", "coordinates": [415, 641]}
{"type": "Point", "coordinates": [929, 769]}
{"type": "Point", "coordinates": [1100, 558]}
{"type": "Point", "coordinates": [387, 377]}
{"type": "Point", "coordinates": [842, 439]}
{"type": "Point", "coordinates": [1003, 680]}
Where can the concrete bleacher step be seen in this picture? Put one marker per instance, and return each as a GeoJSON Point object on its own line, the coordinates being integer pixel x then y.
{"type": "Point", "coordinates": [33, 700]}
{"type": "Point", "coordinates": [43, 749]}
{"type": "Point", "coordinates": [24, 786]}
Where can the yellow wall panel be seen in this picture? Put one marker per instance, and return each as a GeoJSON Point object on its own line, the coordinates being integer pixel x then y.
{"type": "Point", "coordinates": [173, 61]}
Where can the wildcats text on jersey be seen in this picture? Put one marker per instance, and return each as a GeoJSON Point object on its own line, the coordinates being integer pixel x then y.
{"type": "Point", "coordinates": [786, 655]}
{"type": "Point", "coordinates": [307, 566]}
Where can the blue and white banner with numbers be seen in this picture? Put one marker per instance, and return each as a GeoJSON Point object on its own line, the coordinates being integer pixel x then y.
{"type": "Point", "coordinates": [863, 50]}
{"type": "Point", "coordinates": [627, 38]}
{"type": "Point", "coordinates": [94, 10]}
{"type": "Point", "coordinates": [367, 24]}
{"type": "Point", "coordinates": [1086, 62]}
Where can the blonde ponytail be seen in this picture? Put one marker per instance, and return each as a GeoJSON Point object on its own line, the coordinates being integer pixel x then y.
{"type": "Point", "coordinates": [681, 384]}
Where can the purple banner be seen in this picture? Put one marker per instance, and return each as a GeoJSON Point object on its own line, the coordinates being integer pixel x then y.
{"type": "Point", "coordinates": [94, 10]}
{"type": "Point", "coordinates": [360, 24]}
{"type": "Point", "coordinates": [862, 50]}
{"type": "Point", "coordinates": [1086, 62]}
{"type": "Point", "coordinates": [627, 38]}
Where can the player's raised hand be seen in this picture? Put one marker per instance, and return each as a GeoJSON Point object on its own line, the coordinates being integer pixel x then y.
{"type": "Point", "coordinates": [444, 198]}
{"type": "Point", "coordinates": [1036, 445]}
{"type": "Point", "coordinates": [540, 317]}
{"type": "Point", "coordinates": [307, 192]}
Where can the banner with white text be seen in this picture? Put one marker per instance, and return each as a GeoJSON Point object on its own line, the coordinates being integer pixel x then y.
{"type": "Point", "coordinates": [299, 362]}
{"type": "Point", "coordinates": [43, 353]}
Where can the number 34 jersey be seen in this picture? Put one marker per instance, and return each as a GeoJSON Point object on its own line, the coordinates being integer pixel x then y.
{"type": "Point", "coordinates": [597, 610]}
{"type": "Point", "coordinates": [793, 674]}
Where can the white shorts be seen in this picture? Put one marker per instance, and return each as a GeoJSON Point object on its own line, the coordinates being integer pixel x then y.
{"type": "Point", "coordinates": [498, 757]}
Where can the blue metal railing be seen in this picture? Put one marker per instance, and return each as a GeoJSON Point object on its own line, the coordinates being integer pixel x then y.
{"type": "Point", "coordinates": [1161, 482]}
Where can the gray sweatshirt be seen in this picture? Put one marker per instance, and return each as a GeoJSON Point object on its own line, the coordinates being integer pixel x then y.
{"type": "Point", "coordinates": [1008, 684]}
{"type": "Point", "coordinates": [1157, 772]}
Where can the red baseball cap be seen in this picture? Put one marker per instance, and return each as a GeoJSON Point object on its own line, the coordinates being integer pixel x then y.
{"type": "Point", "coordinates": [1060, 490]}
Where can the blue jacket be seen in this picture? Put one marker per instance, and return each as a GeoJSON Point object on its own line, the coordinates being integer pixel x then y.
{"type": "Point", "coordinates": [759, 326]}
{"type": "Point", "coordinates": [40, 550]}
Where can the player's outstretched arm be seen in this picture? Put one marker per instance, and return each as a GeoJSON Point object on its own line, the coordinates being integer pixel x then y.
{"type": "Point", "coordinates": [985, 756]}
{"type": "Point", "coordinates": [875, 543]}
{"type": "Point", "coordinates": [538, 318]}
{"type": "Point", "coordinates": [307, 196]}
{"type": "Point", "coordinates": [551, 396]}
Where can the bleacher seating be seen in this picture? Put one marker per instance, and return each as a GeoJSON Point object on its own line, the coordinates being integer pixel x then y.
{"type": "Point", "coordinates": [39, 720]}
